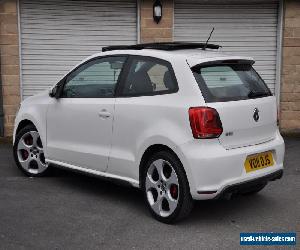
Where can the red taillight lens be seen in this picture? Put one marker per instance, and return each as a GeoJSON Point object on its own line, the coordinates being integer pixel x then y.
{"type": "Point", "coordinates": [205, 122]}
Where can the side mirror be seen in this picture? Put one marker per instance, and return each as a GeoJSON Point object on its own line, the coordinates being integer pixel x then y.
{"type": "Point", "coordinates": [53, 92]}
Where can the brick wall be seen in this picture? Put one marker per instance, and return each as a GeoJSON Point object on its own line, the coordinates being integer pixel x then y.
{"type": "Point", "coordinates": [9, 51]}
{"type": "Point", "coordinates": [290, 88]}
{"type": "Point", "coordinates": [150, 30]}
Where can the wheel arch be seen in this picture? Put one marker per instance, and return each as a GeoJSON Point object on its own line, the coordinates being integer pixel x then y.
{"type": "Point", "coordinates": [24, 123]}
{"type": "Point", "coordinates": [152, 149]}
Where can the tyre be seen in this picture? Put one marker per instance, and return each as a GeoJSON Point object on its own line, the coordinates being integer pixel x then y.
{"type": "Point", "coordinates": [166, 189]}
{"type": "Point", "coordinates": [255, 189]}
{"type": "Point", "coordinates": [29, 153]}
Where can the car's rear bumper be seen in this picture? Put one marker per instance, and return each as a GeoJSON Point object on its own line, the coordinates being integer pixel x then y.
{"type": "Point", "coordinates": [247, 185]}
{"type": "Point", "coordinates": [211, 169]}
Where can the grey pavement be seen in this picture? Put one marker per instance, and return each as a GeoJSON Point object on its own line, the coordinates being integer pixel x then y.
{"type": "Point", "coordinates": [71, 211]}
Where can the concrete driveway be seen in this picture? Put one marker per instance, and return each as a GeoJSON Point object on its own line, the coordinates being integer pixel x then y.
{"type": "Point", "coordinates": [71, 211]}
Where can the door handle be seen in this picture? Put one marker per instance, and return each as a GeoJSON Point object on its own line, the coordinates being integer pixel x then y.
{"type": "Point", "coordinates": [104, 114]}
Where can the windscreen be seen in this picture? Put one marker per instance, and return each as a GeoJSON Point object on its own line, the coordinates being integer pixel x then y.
{"type": "Point", "coordinates": [229, 82]}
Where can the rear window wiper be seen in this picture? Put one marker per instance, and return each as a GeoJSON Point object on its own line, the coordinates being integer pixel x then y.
{"type": "Point", "coordinates": [253, 94]}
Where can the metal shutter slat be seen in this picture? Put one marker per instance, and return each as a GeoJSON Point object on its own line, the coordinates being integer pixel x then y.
{"type": "Point", "coordinates": [242, 29]}
{"type": "Point", "coordinates": [55, 35]}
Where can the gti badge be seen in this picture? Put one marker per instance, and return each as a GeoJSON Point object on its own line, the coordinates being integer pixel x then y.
{"type": "Point", "coordinates": [256, 115]}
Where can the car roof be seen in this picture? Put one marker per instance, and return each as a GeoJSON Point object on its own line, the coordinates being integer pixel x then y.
{"type": "Point", "coordinates": [192, 56]}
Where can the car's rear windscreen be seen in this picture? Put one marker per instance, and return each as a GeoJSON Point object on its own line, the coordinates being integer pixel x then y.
{"type": "Point", "coordinates": [222, 82]}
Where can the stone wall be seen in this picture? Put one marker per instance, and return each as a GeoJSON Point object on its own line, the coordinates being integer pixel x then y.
{"type": "Point", "coordinates": [290, 84]}
{"type": "Point", "coordinates": [9, 51]}
{"type": "Point", "coordinates": [150, 30]}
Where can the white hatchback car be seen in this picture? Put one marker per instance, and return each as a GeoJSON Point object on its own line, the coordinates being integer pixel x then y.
{"type": "Point", "coordinates": [180, 121]}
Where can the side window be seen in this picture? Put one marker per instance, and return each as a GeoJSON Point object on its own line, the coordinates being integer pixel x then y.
{"type": "Point", "coordinates": [97, 78]}
{"type": "Point", "coordinates": [149, 76]}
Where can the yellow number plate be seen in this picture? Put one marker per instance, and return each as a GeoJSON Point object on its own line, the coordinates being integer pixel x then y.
{"type": "Point", "coordinates": [259, 161]}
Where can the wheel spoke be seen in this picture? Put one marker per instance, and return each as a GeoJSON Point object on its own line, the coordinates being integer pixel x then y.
{"type": "Point", "coordinates": [172, 203]}
{"type": "Point", "coordinates": [39, 144]}
{"type": "Point", "coordinates": [41, 166]}
{"type": "Point", "coordinates": [35, 136]}
{"type": "Point", "coordinates": [150, 183]}
{"type": "Point", "coordinates": [25, 163]}
{"type": "Point", "coordinates": [172, 179]}
{"type": "Point", "coordinates": [159, 167]}
{"type": "Point", "coordinates": [156, 206]}
{"type": "Point", "coordinates": [23, 145]}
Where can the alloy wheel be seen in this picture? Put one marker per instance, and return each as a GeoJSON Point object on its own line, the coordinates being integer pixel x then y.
{"type": "Point", "coordinates": [162, 188]}
{"type": "Point", "coordinates": [30, 153]}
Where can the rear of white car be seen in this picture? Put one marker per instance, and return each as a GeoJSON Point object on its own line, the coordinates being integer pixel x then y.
{"type": "Point", "coordinates": [237, 146]}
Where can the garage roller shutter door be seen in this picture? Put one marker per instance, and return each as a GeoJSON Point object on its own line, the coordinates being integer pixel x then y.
{"type": "Point", "coordinates": [242, 29]}
{"type": "Point", "coordinates": [57, 34]}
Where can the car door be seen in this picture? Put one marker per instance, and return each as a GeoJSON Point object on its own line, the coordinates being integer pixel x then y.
{"type": "Point", "coordinates": [79, 121]}
{"type": "Point", "coordinates": [143, 109]}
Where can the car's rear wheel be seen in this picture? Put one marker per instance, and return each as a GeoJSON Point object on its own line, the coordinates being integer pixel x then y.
{"type": "Point", "coordinates": [29, 152]}
{"type": "Point", "coordinates": [166, 189]}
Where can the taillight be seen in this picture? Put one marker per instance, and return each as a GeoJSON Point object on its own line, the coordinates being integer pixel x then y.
{"type": "Point", "coordinates": [205, 122]}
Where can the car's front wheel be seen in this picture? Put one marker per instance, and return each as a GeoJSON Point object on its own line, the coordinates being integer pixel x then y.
{"type": "Point", "coordinates": [29, 152]}
{"type": "Point", "coordinates": [166, 189]}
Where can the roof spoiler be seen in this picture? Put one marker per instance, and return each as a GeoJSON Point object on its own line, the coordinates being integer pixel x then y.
{"type": "Point", "coordinates": [163, 46]}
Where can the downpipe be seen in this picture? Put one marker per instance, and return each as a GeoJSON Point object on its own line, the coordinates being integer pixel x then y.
{"type": "Point", "coordinates": [1, 106]}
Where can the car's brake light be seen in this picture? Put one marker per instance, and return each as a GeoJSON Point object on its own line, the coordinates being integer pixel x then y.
{"type": "Point", "coordinates": [205, 122]}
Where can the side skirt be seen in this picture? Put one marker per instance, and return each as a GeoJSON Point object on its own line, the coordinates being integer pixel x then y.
{"type": "Point", "coordinates": [112, 177]}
